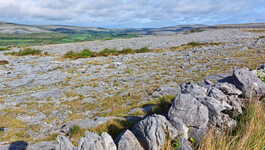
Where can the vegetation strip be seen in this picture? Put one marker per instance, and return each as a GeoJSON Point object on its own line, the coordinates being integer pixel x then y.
{"type": "Point", "coordinates": [25, 52]}
{"type": "Point", "coordinates": [106, 52]}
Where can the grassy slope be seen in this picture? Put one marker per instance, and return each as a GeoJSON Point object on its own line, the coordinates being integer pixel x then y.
{"type": "Point", "coordinates": [55, 38]}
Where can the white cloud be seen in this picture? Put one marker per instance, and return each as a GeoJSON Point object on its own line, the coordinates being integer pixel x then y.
{"type": "Point", "coordinates": [130, 12]}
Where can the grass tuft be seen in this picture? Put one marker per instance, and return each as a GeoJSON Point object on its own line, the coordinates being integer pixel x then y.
{"type": "Point", "coordinates": [27, 51]}
{"type": "Point", "coordinates": [5, 48]}
{"type": "Point", "coordinates": [162, 105]}
{"type": "Point", "coordinates": [249, 134]}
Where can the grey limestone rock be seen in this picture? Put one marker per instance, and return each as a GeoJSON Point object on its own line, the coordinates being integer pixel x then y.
{"type": "Point", "coordinates": [248, 81]}
{"type": "Point", "coordinates": [127, 141]}
{"type": "Point", "coordinates": [191, 111]}
{"type": "Point", "coordinates": [183, 144]}
{"type": "Point", "coordinates": [92, 141]}
{"type": "Point", "coordinates": [217, 94]}
{"type": "Point", "coordinates": [151, 131]}
{"type": "Point", "coordinates": [225, 122]}
{"type": "Point", "coordinates": [227, 88]}
{"type": "Point", "coordinates": [193, 89]}
{"type": "Point", "coordinates": [166, 90]}
{"type": "Point", "coordinates": [64, 144]}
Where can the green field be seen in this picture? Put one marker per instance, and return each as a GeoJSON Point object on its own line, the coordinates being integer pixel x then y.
{"type": "Point", "coordinates": [56, 38]}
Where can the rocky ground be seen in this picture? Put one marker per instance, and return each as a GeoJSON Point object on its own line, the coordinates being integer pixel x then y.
{"type": "Point", "coordinates": [39, 94]}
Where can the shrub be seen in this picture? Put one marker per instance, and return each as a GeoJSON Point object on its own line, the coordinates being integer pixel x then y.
{"type": "Point", "coordinates": [107, 52]}
{"type": "Point", "coordinates": [5, 48]}
{"type": "Point", "coordinates": [75, 133]}
{"type": "Point", "coordinates": [126, 51]}
{"type": "Point", "coordinates": [27, 51]}
{"type": "Point", "coordinates": [84, 53]}
{"type": "Point", "coordinates": [142, 50]}
{"type": "Point", "coordinates": [70, 54]}
{"type": "Point", "coordinates": [193, 44]}
{"type": "Point", "coordinates": [3, 62]}
{"type": "Point", "coordinates": [75, 130]}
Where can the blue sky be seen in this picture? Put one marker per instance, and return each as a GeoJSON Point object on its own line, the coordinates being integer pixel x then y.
{"type": "Point", "coordinates": [132, 13]}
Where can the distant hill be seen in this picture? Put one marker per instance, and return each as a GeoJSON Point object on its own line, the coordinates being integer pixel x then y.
{"type": "Point", "coordinates": [12, 28]}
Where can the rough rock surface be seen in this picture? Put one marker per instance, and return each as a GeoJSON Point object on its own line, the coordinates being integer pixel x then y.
{"type": "Point", "coordinates": [191, 111]}
{"type": "Point", "coordinates": [248, 81]}
{"type": "Point", "coordinates": [43, 145]}
{"type": "Point", "coordinates": [92, 141]}
{"type": "Point", "coordinates": [151, 131]}
{"type": "Point", "coordinates": [126, 140]}
{"type": "Point", "coordinates": [43, 92]}
{"type": "Point", "coordinates": [64, 144]}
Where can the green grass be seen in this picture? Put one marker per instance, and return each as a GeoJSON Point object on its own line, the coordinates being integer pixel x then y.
{"type": "Point", "coordinates": [196, 44]}
{"type": "Point", "coordinates": [162, 105]}
{"type": "Point", "coordinates": [30, 39]}
{"type": "Point", "coordinates": [25, 52]}
{"type": "Point", "coordinates": [106, 52]}
{"type": "Point", "coordinates": [83, 54]}
{"type": "Point", "coordinates": [5, 48]}
{"type": "Point", "coordinates": [261, 77]}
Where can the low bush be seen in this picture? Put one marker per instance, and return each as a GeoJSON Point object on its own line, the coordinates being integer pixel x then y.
{"type": "Point", "coordinates": [83, 54]}
{"type": "Point", "coordinates": [126, 51]}
{"type": "Point", "coordinates": [27, 51]}
{"type": "Point", "coordinates": [3, 62]}
{"type": "Point", "coordinates": [5, 48]}
{"type": "Point", "coordinates": [106, 52]}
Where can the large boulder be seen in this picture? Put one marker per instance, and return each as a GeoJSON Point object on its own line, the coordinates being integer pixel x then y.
{"type": "Point", "coordinates": [92, 141]}
{"type": "Point", "coordinates": [126, 140]}
{"type": "Point", "coordinates": [64, 144]}
{"type": "Point", "coordinates": [151, 131]}
{"type": "Point", "coordinates": [189, 110]}
{"type": "Point", "coordinates": [248, 81]}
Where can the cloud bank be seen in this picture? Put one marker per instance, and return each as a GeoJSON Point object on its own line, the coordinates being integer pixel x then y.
{"type": "Point", "coordinates": [131, 13]}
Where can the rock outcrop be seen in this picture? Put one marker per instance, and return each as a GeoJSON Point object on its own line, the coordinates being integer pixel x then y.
{"type": "Point", "coordinates": [152, 131]}
{"type": "Point", "coordinates": [127, 140]}
{"type": "Point", "coordinates": [92, 141]}
{"type": "Point", "coordinates": [195, 109]}
{"type": "Point", "coordinates": [248, 82]}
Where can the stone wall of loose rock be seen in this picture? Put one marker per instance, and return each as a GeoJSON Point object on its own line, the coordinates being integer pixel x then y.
{"type": "Point", "coordinates": [196, 108]}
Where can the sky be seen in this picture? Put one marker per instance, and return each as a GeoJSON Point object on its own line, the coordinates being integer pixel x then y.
{"type": "Point", "coordinates": [131, 13]}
